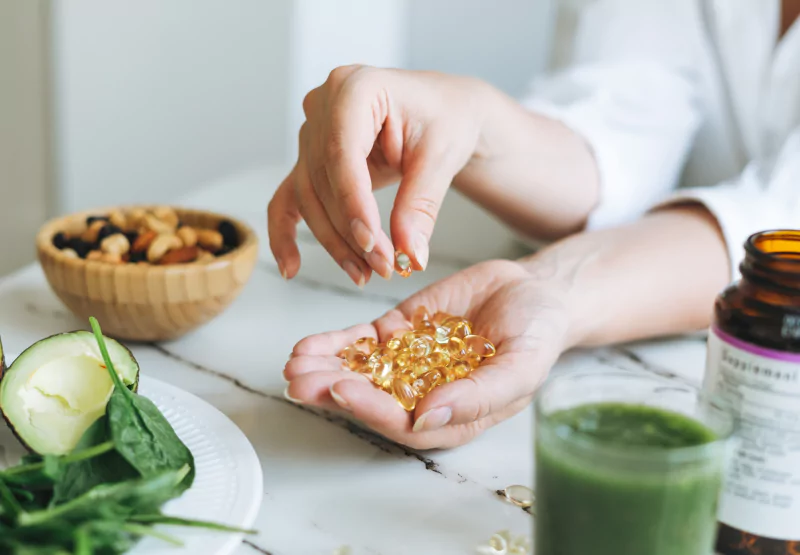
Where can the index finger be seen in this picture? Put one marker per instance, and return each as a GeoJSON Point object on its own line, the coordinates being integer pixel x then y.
{"type": "Point", "coordinates": [356, 122]}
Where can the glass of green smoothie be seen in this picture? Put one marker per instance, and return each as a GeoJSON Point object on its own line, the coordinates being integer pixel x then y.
{"type": "Point", "coordinates": [627, 464]}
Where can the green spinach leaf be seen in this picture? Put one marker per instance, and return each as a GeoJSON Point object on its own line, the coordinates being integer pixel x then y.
{"type": "Point", "coordinates": [81, 476]}
{"type": "Point", "coordinates": [140, 432]}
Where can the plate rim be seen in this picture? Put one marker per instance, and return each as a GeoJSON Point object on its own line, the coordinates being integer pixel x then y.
{"type": "Point", "coordinates": [251, 460]}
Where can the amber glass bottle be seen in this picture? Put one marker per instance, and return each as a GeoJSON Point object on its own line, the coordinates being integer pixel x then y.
{"type": "Point", "coordinates": [754, 362]}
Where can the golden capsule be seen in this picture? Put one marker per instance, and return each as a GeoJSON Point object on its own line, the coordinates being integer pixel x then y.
{"type": "Point", "coordinates": [350, 353]}
{"type": "Point", "coordinates": [461, 329]}
{"type": "Point", "coordinates": [404, 393]}
{"type": "Point", "coordinates": [461, 369]}
{"type": "Point", "coordinates": [448, 374]}
{"type": "Point", "coordinates": [383, 374]}
{"type": "Point", "coordinates": [420, 316]}
{"type": "Point", "coordinates": [402, 264]}
{"type": "Point", "coordinates": [420, 347]}
{"type": "Point", "coordinates": [442, 335]}
{"type": "Point", "coordinates": [420, 366]}
{"type": "Point", "coordinates": [410, 336]}
{"type": "Point", "coordinates": [439, 358]}
{"type": "Point", "coordinates": [395, 344]}
{"type": "Point", "coordinates": [403, 358]}
{"type": "Point", "coordinates": [479, 345]}
{"type": "Point", "coordinates": [440, 317]}
{"type": "Point", "coordinates": [426, 382]}
{"type": "Point", "coordinates": [366, 345]}
{"type": "Point", "coordinates": [456, 348]}
{"type": "Point", "coordinates": [358, 362]}
{"type": "Point", "coordinates": [426, 327]}
{"type": "Point", "coordinates": [473, 360]}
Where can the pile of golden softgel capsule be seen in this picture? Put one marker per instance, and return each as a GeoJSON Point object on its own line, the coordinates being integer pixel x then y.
{"type": "Point", "coordinates": [438, 349]}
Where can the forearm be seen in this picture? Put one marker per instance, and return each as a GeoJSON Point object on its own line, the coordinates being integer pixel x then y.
{"type": "Point", "coordinates": [531, 171]}
{"type": "Point", "coordinates": [658, 276]}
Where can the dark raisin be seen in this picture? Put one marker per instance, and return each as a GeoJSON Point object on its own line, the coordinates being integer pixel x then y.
{"type": "Point", "coordinates": [140, 256]}
{"type": "Point", "coordinates": [79, 246]}
{"type": "Point", "coordinates": [91, 219]}
{"type": "Point", "coordinates": [131, 236]}
{"type": "Point", "coordinates": [60, 240]}
{"type": "Point", "coordinates": [224, 250]}
{"type": "Point", "coordinates": [107, 230]}
{"type": "Point", "coordinates": [229, 235]}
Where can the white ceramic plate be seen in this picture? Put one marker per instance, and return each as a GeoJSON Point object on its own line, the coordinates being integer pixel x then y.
{"type": "Point", "coordinates": [228, 483]}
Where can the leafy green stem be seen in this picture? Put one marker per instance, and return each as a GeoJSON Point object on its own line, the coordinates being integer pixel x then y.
{"type": "Point", "coordinates": [141, 530]}
{"type": "Point", "coordinates": [89, 453]}
{"type": "Point", "coordinates": [101, 342]}
{"type": "Point", "coordinates": [175, 521]}
{"type": "Point", "coordinates": [8, 501]}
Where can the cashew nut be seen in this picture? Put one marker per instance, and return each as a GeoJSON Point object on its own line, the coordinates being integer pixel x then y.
{"type": "Point", "coordinates": [115, 244]}
{"type": "Point", "coordinates": [161, 245]}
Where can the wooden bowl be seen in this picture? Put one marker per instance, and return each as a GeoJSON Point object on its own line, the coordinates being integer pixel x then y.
{"type": "Point", "coordinates": [143, 302]}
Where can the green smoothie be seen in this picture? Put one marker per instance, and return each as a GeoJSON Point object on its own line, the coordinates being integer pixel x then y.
{"type": "Point", "coordinates": [625, 479]}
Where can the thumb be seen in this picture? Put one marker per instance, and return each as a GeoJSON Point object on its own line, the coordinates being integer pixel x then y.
{"type": "Point", "coordinates": [416, 207]}
{"type": "Point", "coordinates": [498, 383]}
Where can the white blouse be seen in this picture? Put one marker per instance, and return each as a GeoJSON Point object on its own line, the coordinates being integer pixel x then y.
{"type": "Point", "coordinates": [683, 99]}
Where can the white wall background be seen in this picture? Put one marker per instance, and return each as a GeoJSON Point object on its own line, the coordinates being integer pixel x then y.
{"type": "Point", "coordinates": [153, 98]}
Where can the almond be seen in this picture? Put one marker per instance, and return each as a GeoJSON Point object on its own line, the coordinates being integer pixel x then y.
{"type": "Point", "coordinates": [143, 241]}
{"type": "Point", "coordinates": [179, 256]}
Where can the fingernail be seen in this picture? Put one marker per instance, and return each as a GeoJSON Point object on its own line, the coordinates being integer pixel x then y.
{"type": "Point", "coordinates": [433, 419]}
{"type": "Point", "coordinates": [354, 272]}
{"type": "Point", "coordinates": [362, 235]}
{"type": "Point", "coordinates": [421, 251]}
{"type": "Point", "coordinates": [379, 263]}
{"type": "Point", "coordinates": [339, 399]}
{"type": "Point", "coordinates": [284, 275]}
{"type": "Point", "coordinates": [290, 398]}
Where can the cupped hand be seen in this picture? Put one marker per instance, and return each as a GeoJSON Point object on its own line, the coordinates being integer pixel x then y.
{"type": "Point", "coordinates": [366, 128]}
{"type": "Point", "coordinates": [524, 316]}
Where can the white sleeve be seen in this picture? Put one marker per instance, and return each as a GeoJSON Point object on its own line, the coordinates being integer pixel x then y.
{"type": "Point", "coordinates": [760, 199]}
{"type": "Point", "coordinates": [630, 89]}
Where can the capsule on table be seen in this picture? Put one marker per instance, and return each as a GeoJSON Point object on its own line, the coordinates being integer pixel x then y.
{"type": "Point", "coordinates": [479, 346]}
{"type": "Point", "coordinates": [404, 393]}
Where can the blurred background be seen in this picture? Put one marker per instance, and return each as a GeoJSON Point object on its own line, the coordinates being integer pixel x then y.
{"type": "Point", "coordinates": [116, 101]}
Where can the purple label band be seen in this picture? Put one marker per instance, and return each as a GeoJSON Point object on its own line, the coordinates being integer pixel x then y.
{"type": "Point", "coordinates": [755, 349]}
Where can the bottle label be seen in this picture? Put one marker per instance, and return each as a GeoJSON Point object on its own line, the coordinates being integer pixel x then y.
{"type": "Point", "coordinates": [762, 491]}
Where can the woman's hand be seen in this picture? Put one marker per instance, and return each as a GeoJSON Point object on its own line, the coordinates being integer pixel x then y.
{"type": "Point", "coordinates": [523, 315]}
{"type": "Point", "coordinates": [366, 128]}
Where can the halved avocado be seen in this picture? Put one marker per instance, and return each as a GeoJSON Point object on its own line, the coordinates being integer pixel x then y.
{"type": "Point", "coordinates": [2, 360]}
{"type": "Point", "coordinates": [58, 387]}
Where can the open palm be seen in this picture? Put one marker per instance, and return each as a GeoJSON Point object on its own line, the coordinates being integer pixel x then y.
{"type": "Point", "coordinates": [522, 315]}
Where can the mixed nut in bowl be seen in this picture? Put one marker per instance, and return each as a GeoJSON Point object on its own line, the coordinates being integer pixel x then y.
{"type": "Point", "coordinates": [149, 273]}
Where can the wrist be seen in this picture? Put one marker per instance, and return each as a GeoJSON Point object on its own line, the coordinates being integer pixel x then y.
{"type": "Point", "coordinates": [567, 267]}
